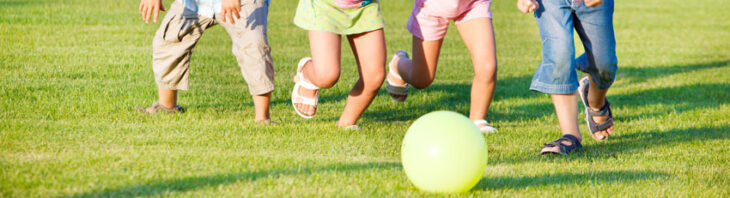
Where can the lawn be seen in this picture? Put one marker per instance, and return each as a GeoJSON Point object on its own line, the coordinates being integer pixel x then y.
{"type": "Point", "coordinates": [71, 72]}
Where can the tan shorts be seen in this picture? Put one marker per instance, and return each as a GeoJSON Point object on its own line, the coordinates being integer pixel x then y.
{"type": "Point", "coordinates": [174, 41]}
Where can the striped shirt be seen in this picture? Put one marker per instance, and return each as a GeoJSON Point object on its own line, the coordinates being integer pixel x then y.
{"type": "Point", "coordinates": [207, 8]}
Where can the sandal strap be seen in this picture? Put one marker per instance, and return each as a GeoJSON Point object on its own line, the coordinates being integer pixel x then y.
{"type": "Point", "coordinates": [300, 76]}
{"type": "Point", "coordinates": [552, 144]}
{"type": "Point", "coordinates": [605, 110]}
{"type": "Point", "coordinates": [393, 89]}
{"type": "Point", "coordinates": [487, 128]}
{"type": "Point", "coordinates": [299, 99]}
{"type": "Point", "coordinates": [402, 54]}
{"type": "Point", "coordinates": [601, 112]}
{"type": "Point", "coordinates": [306, 101]}
{"type": "Point", "coordinates": [565, 149]}
{"type": "Point", "coordinates": [478, 122]}
{"type": "Point", "coordinates": [396, 89]}
{"type": "Point", "coordinates": [608, 123]}
{"type": "Point", "coordinates": [574, 140]}
{"type": "Point", "coordinates": [301, 63]}
{"type": "Point", "coordinates": [395, 75]}
{"type": "Point", "coordinates": [304, 83]}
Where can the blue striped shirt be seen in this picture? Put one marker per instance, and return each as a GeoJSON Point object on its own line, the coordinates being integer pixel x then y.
{"type": "Point", "coordinates": [207, 8]}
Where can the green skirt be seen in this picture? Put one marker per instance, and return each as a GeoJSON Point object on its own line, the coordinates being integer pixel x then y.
{"type": "Point", "coordinates": [325, 15]}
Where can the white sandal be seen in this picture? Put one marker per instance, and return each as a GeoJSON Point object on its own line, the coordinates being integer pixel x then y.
{"type": "Point", "coordinates": [301, 82]}
{"type": "Point", "coordinates": [486, 128]}
{"type": "Point", "coordinates": [399, 90]}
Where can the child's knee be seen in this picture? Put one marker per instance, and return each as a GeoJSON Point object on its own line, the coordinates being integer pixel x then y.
{"type": "Point", "coordinates": [251, 45]}
{"type": "Point", "coordinates": [377, 75]}
{"type": "Point", "coordinates": [485, 77]}
{"type": "Point", "coordinates": [606, 73]}
{"type": "Point", "coordinates": [374, 80]}
{"type": "Point", "coordinates": [485, 70]}
{"type": "Point", "coordinates": [607, 64]}
{"type": "Point", "coordinates": [326, 79]}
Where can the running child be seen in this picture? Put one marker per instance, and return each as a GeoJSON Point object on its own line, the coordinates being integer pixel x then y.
{"type": "Point", "coordinates": [428, 23]}
{"type": "Point", "coordinates": [182, 27]}
{"type": "Point", "coordinates": [556, 75]}
{"type": "Point", "coordinates": [326, 21]}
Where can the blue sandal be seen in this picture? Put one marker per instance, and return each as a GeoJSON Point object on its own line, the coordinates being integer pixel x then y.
{"type": "Point", "coordinates": [564, 149]}
{"type": "Point", "coordinates": [594, 127]}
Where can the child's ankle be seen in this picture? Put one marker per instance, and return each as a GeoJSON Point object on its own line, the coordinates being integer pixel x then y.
{"type": "Point", "coordinates": [167, 105]}
{"type": "Point", "coordinates": [342, 124]}
{"type": "Point", "coordinates": [262, 118]}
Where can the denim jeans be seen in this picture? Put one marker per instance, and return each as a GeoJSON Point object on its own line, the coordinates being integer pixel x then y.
{"type": "Point", "coordinates": [556, 20]}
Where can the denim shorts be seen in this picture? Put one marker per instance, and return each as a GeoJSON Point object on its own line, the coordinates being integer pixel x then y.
{"type": "Point", "coordinates": [556, 20]}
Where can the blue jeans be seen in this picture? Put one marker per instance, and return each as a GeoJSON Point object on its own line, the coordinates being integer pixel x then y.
{"type": "Point", "coordinates": [556, 20]}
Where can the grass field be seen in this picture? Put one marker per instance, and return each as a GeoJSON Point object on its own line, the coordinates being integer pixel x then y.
{"type": "Point", "coordinates": [71, 72]}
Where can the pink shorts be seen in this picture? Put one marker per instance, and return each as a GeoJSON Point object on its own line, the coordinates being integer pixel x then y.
{"type": "Point", "coordinates": [430, 18]}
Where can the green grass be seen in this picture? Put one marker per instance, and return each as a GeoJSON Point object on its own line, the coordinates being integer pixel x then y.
{"type": "Point", "coordinates": [71, 71]}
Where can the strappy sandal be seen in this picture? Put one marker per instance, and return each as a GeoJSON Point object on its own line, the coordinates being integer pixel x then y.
{"type": "Point", "coordinates": [158, 108]}
{"type": "Point", "coordinates": [486, 128]}
{"type": "Point", "coordinates": [301, 82]}
{"type": "Point", "coordinates": [393, 89]}
{"type": "Point", "coordinates": [564, 149]}
{"type": "Point", "coordinates": [594, 127]}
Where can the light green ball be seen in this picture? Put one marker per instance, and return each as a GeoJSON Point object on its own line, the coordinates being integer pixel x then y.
{"type": "Point", "coordinates": [444, 152]}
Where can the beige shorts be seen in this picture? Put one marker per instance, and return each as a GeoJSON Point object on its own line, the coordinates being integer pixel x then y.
{"type": "Point", "coordinates": [174, 41]}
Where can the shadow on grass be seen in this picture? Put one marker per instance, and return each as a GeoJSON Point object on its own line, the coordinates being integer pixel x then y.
{"type": "Point", "coordinates": [679, 99]}
{"type": "Point", "coordinates": [156, 188]}
{"type": "Point", "coordinates": [456, 96]}
{"type": "Point", "coordinates": [518, 182]}
{"type": "Point", "coordinates": [633, 142]}
{"type": "Point", "coordinates": [7, 4]}
{"type": "Point", "coordinates": [644, 74]}
{"type": "Point", "coordinates": [645, 140]}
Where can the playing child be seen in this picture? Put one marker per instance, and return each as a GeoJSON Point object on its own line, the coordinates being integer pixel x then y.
{"type": "Point", "coordinates": [182, 27]}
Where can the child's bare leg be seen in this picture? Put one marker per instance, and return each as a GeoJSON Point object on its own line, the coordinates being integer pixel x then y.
{"type": "Point", "coordinates": [596, 98]}
{"type": "Point", "coordinates": [566, 107]}
{"type": "Point", "coordinates": [261, 106]}
{"type": "Point", "coordinates": [167, 98]}
{"type": "Point", "coordinates": [421, 70]}
{"type": "Point", "coordinates": [479, 39]}
{"type": "Point", "coordinates": [370, 52]}
{"type": "Point", "coordinates": [324, 69]}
